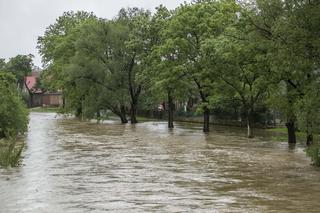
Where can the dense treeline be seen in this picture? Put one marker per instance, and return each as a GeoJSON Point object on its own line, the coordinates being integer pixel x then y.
{"type": "Point", "coordinates": [246, 55]}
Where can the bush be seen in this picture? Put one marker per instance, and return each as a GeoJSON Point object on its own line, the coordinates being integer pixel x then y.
{"type": "Point", "coordinates": [13, 113]}
{"type": "Point", "coordinates": [314, 152]}
{"type": "Point", "coordinates": [10, 153]}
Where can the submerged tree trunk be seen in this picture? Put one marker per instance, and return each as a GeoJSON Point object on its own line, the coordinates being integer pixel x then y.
{"type": "Point", "coordinates": [133, 113]}
{"type": "Point", "coordinates": [170, 110]}
{"type": "Point", "coordinates": [124, 119]}
{"type": "Point", "coordinates": [291, 132]}
{"type": "Point", "coordinates": [206, 120]}
{"type": "Point", "coordinates": [121, 112]}
{"type": "Point", "coordinates": [134, 91]}
{"type": "Point", "coordinates": [63, 103]}
{"type": "Point", "coordinates": [78, 113]}
{"type": "Point", "coordinates": [123, 116]}
{"type": "Point", "coordinates": [309, 134]}
{"type": "Point", "coordinates": [249, 124]}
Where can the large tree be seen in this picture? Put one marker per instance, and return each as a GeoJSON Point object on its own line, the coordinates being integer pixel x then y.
{"type": "Point", "coordinates": [57, 48]}
{"type": "Point", "coordinates": [238, 58]}
{"type": "Point", "coordinates": [20, 66]}
{"type": "Point", "coordinates": [187, 32]}
{"type": "Point", "coordinates": [292, 30]}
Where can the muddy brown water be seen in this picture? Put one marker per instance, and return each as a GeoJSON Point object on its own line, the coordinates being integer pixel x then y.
{"type": "Point", "coordinates": [72, 166]}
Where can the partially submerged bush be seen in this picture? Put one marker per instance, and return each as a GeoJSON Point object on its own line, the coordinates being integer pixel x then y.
{"type": "Point", "coordinates": [13, 113]}
{"type": "Point", "coordinates": [10, 153]}
{"type": "Point", "coordinates": [314, 152]}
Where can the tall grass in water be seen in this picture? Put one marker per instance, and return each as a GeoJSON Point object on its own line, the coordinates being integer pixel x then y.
{"type": "Point", "coordinates": [10, 152]}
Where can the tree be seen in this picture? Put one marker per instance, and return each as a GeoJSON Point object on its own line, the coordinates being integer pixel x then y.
{"type": "Point", "coordinates": [97, 71]}
{"type": "Point", "coordinates": [20, 66]}
{"type": "Point", "coordinates": [238, 59]}
{"type": "Point", "coordinates": [162, 70]}
{"type": "Point", "coordinates": [291, 29]}
{"type": "Point", "coordinates": [2, 64]}
{"type": "Point", "coordinates": [187, 32]}
{"type": "Point", "coordinates": [56, 46]}
{"type": "Point", "coordinates": [137, 47]}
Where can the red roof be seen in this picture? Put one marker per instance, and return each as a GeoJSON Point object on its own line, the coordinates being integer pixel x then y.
{"type": "Point", "coordinates": [31, 82]}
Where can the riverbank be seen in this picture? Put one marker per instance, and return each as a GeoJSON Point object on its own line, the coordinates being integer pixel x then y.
{"type": "Point", "coordinates": [45, 109]}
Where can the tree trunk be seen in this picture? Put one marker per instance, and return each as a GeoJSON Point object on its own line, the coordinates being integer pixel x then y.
{"type": "Point", "coordinates": [123, 116]}
{"type": "Point", "coordinates": [133, 113]}
{"type": "Point", "coordinates": [249, 124]}
{"type": "Point", "coordinates": [291, 132]}
{"type": "Point", "coordinates": [206, 120]}
{"type": "Point", "coordinates": [134, 91]}
{"type": "Point", "coordinates": [124, 119]}
{"type": "Point", "coordinates": [170, 110]}
{"type": "Point", "coordinates": [31, 100]}
{"type": "Point", "coordinates": [309, 134]}
{"type": "Point", "coordinates": [98, 115]}
{"type": "Point", "coordinates": [249, 133]}
{"type": "Point", "coordinates": [121, 112]}
{"type": "Point", "coordinates": [78, 112]}
{"type": "Point", "coordinates": [63, 102]}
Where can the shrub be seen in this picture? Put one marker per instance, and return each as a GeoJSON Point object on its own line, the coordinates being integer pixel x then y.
{"type": "Point", "coordinates": [314, 152]}
{"type": "Point", "coordinates": [13, 113]}
{"type": "Point", "coordinates": [10, 153]}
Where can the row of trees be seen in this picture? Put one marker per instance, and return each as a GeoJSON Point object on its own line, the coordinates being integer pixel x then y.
{"type": "Point", "coordinates": [251, 54]}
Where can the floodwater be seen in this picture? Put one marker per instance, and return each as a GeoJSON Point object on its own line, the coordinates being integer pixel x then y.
{"type": "Point", "coordinates": [72, 166]}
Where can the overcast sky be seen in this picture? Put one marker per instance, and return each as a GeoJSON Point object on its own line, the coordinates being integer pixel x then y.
{"type": "Point", "coordinates": [22, 21]}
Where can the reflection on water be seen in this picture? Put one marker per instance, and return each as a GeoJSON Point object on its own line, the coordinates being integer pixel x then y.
{"type": "Point", "coordinates": [72, 166]}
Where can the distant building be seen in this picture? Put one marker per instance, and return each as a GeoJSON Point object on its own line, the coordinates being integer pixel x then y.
{"type": "Point", "coordinates": [37, 97]}
{"type": "Point", "coordinates": [52, 99]}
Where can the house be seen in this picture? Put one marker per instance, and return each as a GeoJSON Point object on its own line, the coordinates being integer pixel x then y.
{"type": "Point", "coordinates": [37, 97]}
{"type": "Point", "coordinates": [52, 99]}
{"type": "Point", "coordinates": [33, 94]}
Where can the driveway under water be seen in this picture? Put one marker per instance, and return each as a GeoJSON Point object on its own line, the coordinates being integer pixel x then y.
{"type": "Point", "coordinates": [72, 166]}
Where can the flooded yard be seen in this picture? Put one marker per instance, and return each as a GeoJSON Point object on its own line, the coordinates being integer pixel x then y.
{"type": "Point", "coordinates": [73, 166]}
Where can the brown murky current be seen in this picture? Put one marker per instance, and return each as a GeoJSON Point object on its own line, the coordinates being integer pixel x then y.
{"type": "Point", "coordinates": [72, 166]}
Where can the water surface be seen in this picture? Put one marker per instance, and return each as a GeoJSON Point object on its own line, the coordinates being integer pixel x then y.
{"type": "Point", "coordinates": [72, 166]}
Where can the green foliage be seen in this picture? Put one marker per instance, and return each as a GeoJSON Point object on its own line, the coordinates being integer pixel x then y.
{"type": "Point", "coordinates": [57, 46]}
{"type": "Point", "coordinates": [2, 63]}
{"type": "Point", "coordinates": [13, 113]}
{"type": "Point", "coordinates": [20, 66]}
{"type": "Point", "coordinates": [314, 153]}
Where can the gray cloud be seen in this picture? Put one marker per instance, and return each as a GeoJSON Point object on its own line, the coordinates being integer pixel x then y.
{"type": "Point", "coordinates": [22, 21]}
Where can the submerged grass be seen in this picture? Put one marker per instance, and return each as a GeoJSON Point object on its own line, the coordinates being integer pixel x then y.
{"type": "Point", "coordinates": [10, 153]}
{"type": "Point", "coordinates": [282, 135]}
